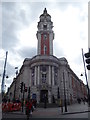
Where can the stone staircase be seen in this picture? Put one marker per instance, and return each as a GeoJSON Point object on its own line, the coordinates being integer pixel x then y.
{"type": "Point", "coordinates": [48, 105]}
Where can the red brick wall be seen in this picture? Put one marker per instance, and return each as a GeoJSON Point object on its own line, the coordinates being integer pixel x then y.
{"type": "Point", "coordinates": [45, 42]}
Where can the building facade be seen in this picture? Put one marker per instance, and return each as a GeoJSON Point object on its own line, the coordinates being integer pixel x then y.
{"type": "Point", "coordinates": [45, 74]}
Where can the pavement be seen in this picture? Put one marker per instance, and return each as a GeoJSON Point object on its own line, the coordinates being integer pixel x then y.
{"type": "Point", "coordinates": [0, 111]}
{"type": "Point", "coordinates": [76, 108]}
{"type": "Point", "coordinates": [73, 111]}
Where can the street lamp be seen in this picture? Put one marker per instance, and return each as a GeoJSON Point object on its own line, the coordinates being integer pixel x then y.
{"type": "Point", "coordinates": [65, 102]}
{"type": "Point", "coordinates": [81, 74]}
{"type": "Point", "coordinates": [58, 93]}
{"type": "Point", "coordinates": [4, 87]}
{"type": "Point", "coordinates": [4, 73]}
{"type": "Point", "coordinates": [16, 68]}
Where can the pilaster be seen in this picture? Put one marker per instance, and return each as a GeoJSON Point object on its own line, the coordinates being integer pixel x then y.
{"type": "Point", "coordinates": [49, 96]}
{"type": "Point", "coordinates": [35, 75]}
{"type": "Point", "coordinates": [53, 75]}
{"type": "Point", "coordinates": [49, 75]}
{"type": "Point", "coordinates": [38, 75]}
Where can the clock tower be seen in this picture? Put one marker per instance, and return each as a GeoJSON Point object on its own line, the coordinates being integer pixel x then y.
{"type": "Point", "coordinates": [45, 34]}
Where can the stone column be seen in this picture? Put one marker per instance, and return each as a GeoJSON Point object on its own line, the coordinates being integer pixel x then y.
{"type": "Point", "coordinates": [38, 75]}
{"type": "Point", "coordinates": [38, 97]}
{"type": "Point", "coordinates": [53, 75]}
{"type": "Point", "coordinates": [49, 96]}
{"type": "Point", "coordinates": [49, 75]}
{"type": "Point", "coordinates": [35, 75]}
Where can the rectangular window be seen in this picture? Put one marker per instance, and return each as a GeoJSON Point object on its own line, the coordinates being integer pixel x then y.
{"type": "Point", "coordinates": [33, 76]}
{"type": "Point", "coordinates": [72, 82]}
{"type": "Point", "coordinates": [55, 75]}
{"type": "Point", "coordinates": [43, 68]}
{"type": "Point", "coordinates": [43, 78]}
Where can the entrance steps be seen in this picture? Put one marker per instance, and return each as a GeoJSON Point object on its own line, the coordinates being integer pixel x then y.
{"type": "Point", "coordinates": [48, 105]}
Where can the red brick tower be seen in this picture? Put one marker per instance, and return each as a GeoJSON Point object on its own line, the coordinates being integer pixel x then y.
{"type": "Point", "coordinates": [45, 34]}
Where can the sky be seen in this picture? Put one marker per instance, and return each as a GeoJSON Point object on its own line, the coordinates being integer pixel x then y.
{"type": "Point", "coordinates": [19, 28]}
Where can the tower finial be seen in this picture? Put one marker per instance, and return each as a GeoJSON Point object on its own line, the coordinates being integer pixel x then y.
{"type": "Point", "coordinates": [45, 10]}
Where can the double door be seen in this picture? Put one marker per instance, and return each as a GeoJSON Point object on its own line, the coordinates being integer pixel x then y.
{"type": "Point", "coordinates": [43, 95]}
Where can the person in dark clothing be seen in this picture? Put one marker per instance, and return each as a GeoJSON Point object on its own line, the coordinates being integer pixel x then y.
{"type": "Point", "coordinates": [28, 108]}
{"type": "Point", "coordinates": [53, 99]}
{"type": "Point", "coordinates": [79, 100]}
{"type": "Point", "coordinates": [34, 102]}
{"type": "Point", "coordinates": [45, 101]}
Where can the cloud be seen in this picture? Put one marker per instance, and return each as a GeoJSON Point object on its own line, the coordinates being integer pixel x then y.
{"type": "Point", "coordinates": [15, 17]}
{"type": "Point", "coordinates": [10, 69]}
{"type": "Point", "coordinates": [57, 50]}
{"type": "Point", "coordinates": [9, 26]}
{"type": "Point", "coordinates": [27, 52]}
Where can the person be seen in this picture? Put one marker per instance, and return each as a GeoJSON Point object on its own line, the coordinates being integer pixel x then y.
{"type": "Point", "coordinates": [53, 99]}
{"type": "Point", "coordinates": [4, 100]}
{"type": "Point", "coordinates": [83, 101]}
{"type": "Point", "coordinates": [45, 101]}
{"type": "Point", "coordinates": [79, 100]}
{"type": "Point", "coordinates": [34, 102]}
{"type": "Point", "coordinates": [61, 105]}
{"type": "Point", "coordinates": [28, 108]}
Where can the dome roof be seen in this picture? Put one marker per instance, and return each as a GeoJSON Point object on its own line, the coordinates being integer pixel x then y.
{"type": "Point", "coordinates": [45, 13]}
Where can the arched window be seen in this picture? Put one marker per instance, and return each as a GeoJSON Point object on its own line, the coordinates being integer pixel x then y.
{"type": "Point", "coordinates": [45, 36]}
{"type": "Point", "coordinates": [43, 78]}
{"type": "Point", "coordinates": [45, 26]}
{"type": "Point", "coordinates": [45, 49]}
{"type": "Point", "coordinates": [43, 68]}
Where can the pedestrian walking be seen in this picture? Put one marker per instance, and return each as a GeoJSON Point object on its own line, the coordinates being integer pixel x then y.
{"type": "Point", "coordinates": [45, 101]}
{"type": "Point", "coordinates": [61, 105]}
{"type": "Point", "coordinates": [28, 109]}
{"type": "Point", "coordinates": [34, 102]}
{"type": "Point", "coordinates": [83, 101]}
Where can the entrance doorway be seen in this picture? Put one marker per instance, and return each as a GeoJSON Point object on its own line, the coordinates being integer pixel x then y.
{"type": "Point", "coordinates": [43, 93]}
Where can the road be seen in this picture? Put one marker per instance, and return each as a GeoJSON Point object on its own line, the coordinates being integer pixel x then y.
{"type": "Point", "coordinates": [74, 111]}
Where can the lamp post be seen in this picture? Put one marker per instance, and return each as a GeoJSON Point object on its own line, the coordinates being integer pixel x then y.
{"type": "Point", "coordinates": [29, 92]}
{"type": "Point", "coordinates": [58, 93]}
{"type": "Point", "coordinates": [4, 87]}
{"type": "Point", "coordinates": [3, 78]}
{"type": "Point", "coordinates": [65, 102]}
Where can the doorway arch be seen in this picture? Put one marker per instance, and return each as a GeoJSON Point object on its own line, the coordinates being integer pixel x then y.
{"type": "Point", "coordinates": [42, 95]}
